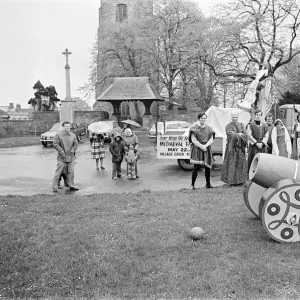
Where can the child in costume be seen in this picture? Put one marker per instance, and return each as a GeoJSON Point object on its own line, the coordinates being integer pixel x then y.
{"type": "Point", "coordinates": [117, 151]}
{"type": "Point", "coordinates": [131, 158]}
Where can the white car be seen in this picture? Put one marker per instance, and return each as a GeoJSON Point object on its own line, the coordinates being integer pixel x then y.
{"type": "Point", "coordinates": [47, 138]}
{"type": "Point", "coordinates": [168, 127]}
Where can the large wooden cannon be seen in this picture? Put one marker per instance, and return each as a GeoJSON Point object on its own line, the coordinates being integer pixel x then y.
{"type": "Point", "coordinates": [273, 195]}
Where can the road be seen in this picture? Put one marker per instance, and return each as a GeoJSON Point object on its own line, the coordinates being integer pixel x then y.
{"type": "Point", "coordinates": [29, 171]}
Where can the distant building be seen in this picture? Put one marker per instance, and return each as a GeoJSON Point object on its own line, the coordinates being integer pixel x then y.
{"type": "Point", "coordinates": [16, 113]}
{"type": "Point", "coordinates": [8, 108]}
{"type": "Point", "coordinates": [3, 114]}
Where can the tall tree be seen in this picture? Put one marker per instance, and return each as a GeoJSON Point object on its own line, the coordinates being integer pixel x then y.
{"type": "Point", "coordinates": [45, 98]}
{"type": "Point", "coordinates": [255, 32]}
{"type": "Point", "coordinates": [172, 19]}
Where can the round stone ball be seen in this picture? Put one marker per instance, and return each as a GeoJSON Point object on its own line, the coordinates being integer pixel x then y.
{"type": "Point", "coordinates": [197, 233]}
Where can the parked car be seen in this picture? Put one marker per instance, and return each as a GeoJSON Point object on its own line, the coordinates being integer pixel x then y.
{"type": "Point", "coordinates": [168, 127]}
{"type": "Point", "coordinates": [114, 127]}
{"type": "Point", "coordinates": [48, 137]}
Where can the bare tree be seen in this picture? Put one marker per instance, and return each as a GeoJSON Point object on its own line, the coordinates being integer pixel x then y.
{"type": "Point", "coordinates": [172, 18]}
{"type": "Point", "coordinates": [255, 32]}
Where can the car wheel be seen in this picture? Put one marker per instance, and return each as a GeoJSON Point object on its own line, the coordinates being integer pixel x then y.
{"type": "Point", "coordinates": [78, 138]}
{"type": "Point", "coordinates": [44, 144]}
{"type": "Point", "coordinates": [185, 164]}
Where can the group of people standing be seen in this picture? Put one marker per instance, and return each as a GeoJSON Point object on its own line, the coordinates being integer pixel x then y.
{"type": "Point", "coordinates": [123, 144]}
{"type": "Point", "coordinates": [258, 136]}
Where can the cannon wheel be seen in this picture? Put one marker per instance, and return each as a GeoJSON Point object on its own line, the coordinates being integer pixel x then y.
{"type": "Point", "coordinates": [252, 195]}
{"type": "Point", "coordinates": [281, 204]}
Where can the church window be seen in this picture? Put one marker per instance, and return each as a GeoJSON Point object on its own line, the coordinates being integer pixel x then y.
{"type": "Point", "coordinates": [121, 15]}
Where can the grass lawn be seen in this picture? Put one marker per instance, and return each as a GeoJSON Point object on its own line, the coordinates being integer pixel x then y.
{"type": "Point", "coordinates": [19, 141]}
{"type": "Point", "coordinates": [136, 246]}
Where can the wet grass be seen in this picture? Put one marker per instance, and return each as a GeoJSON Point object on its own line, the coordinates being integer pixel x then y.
{"type": "Point", "coordinates": [19, 141]}
{"type": "Point", "coordinates": [136, 246]}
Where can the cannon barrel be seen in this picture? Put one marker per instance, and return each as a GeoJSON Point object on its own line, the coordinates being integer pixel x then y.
{"type": "Point", "coordinates": [267, 169]}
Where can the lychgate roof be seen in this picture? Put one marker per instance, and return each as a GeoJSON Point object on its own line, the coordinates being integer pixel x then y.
{"type": "Point", "coordinates": [129, 89]}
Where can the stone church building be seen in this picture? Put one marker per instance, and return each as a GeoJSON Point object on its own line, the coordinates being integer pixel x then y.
{"type": "Point", "coordinates": [111, 14]}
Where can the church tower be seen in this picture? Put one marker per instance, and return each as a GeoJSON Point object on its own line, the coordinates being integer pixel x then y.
{"type": "Point", "coordinates": [114, 12]}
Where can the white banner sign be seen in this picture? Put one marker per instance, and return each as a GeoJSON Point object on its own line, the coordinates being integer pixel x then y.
{"type": "Point", "coordinates": [173, 146]}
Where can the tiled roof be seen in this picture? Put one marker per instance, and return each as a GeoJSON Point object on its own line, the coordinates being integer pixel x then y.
{"type": "Point", "coordinates": [130, 88]}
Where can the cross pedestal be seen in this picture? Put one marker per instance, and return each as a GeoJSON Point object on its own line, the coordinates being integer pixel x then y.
{"type": "Point", "coordinates": [67, 106]}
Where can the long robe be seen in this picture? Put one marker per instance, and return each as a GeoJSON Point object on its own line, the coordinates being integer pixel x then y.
{"type": "Point", "coordinates": [257, 134]}
{"type": "Point", "coordinates": [235, 170]}
{"type": "Point", "coordinates": [281, 141]}
{"type": "Point", "coordinates": [296, 142]}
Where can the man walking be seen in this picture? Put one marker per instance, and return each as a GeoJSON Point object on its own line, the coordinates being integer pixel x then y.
{"type": "Point", "coordinates": [66, 144]}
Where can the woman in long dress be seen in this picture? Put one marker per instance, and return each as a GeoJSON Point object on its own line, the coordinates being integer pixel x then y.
{"type": "Point", "coordinates": [281, 141]}
{"type": "Point", "coordinates": [296, 139]}
{"type": "Point", "coordinates": [235, 170]}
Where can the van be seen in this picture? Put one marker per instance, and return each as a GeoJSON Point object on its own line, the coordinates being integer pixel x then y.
{"type": "Point", "coordinates": [169, 127]}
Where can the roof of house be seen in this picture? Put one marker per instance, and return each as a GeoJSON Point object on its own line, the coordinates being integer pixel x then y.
{"type": "Point", "coordinates": [130, 88]}
{"type": "Point", "coordinates": [4, 108]}
{"type": "Point", "coordinates": [3, 113]}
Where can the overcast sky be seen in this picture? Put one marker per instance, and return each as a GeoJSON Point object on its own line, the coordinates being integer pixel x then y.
{"type": "Point", "coordinates": [33, 35]}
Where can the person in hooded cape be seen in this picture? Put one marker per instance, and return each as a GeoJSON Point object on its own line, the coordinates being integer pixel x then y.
{"type": "Point", "coordinates": [131, 139]}
{"type": "Point", "coordinates": [235, 170]}
{"type": "Point", "coordinates": [117, 151]}
{"type": "Point", "coordinates": [201, 137]}
{"type": "Point", "coordinates": [281, 141]}
{"type": "Point", "coordinates": [296, 139]}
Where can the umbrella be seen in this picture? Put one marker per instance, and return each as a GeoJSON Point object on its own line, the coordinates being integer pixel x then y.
{"type": "Point", "coordinates": [130, 122]}
{"type": "Point", "coordinates": [99, 127]}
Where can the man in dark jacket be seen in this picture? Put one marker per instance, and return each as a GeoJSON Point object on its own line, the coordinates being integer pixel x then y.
{"type": "Point", "coordinates": [270, 125]}
{"type": "Point", "coordinates": [117, 151]}
{"type": "Point", "coordinates": [66, 144]}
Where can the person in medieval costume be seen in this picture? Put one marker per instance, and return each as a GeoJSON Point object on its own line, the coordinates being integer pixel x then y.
{"type": "Point", "coordinates": [259, 93]}
{"type": "Point", "coordinates": [281, 141]}
{"type": "Point", "coordinates": [234, 170]}
{"type": "Point", "coordinates": [258, 136]}
{"type": "Point", "coordinates": [270, 125]}
{"type": "Point", "coordinates": [131, 158]}
{"type": "Point", "coordinates": [201, 136]}
{"type": "Point", "coordinates": [296, 139]}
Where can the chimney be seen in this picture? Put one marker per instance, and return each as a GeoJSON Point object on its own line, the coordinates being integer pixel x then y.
{"type": "Point", "coordinates": [18, 107]}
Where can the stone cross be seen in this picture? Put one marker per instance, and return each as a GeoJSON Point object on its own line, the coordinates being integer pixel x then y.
{"type": "Point", "coordinates": [68, 82]}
